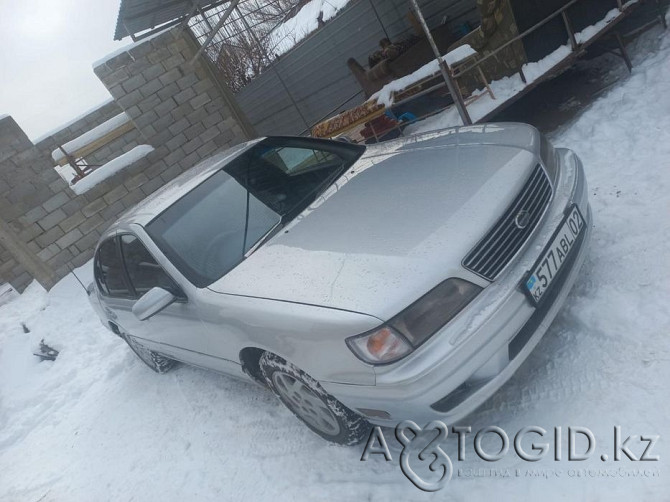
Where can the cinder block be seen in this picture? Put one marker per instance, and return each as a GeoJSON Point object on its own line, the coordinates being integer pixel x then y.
{"type": "Point", "coordinates": [33, 215]}
{"type": "Point", "coordinates": [115, 195]}
{"type": "Point", "coordinates": [170, 76]}
{"type": "Point", "coordinates": [56, 201]}
{"type": "Point", "coordinates": [134, 82]}
{"type": "Point", "coordinates": [168, 91]}
{"type": "Point", "coordinates": [52, 219]}
{"type": "Point", "coordinates": [130, 99]}
{"type": "Point", "coordinates": [200, 100]}
{"type": "Point", "coordinates": [153, 72]}
{"type": "Point", "coordinates": [158, 55]}
{"type": "Point", "coordinates": [171, 173]}
{"type": "Point", "coordinates": [112, 212]}
{"type": "Point", "coordinates": [72, 206]}
{"type": "Point", "coordinates": [60, 259]}
{"type": "Point", "coordinates": [173, 61]}
{"type": "Point", "coordinates": [202, 86]}
{"type": "Point", "coordinates": [73, 221]}
{"type": "Point", "coordinates": [189, 161]}
{"type": "Point", "coordinates": [165, 107]}
{"type": "Point", "coordinates": [198, 115]}
{"type": "Point", "coordinates": [152, 185]}
{"type": "Point", "coordinates": [48, 252]}
{"type": "Point", "coordinates": [179, 126]}
{"type": "Point", "coordinates": [146, 119]}
{"type": "Point", "coordinates": [194, 131]}
{"type": "Point", "coordinates": [119, 61]}
{"type": "Point", "coordinates": [136, 181]}
{"type": "Point", "coordinates": [94, 207]}
{"type": "Point", "coordinates": [49, 237]}
{"type": "Point", "coordinates": [132, 198]}
{"type": "Point", "coordinates": [116, 77]}
{"type": "Point", "coordinates": [209, 134]}
{"type": "Point", "coordinates": [87, 242]}
{"type": "Point", "coordinates": [148, 104]}
{"type": "Point", "coordinates": [151, 87]}
{"type": "Point", "coordinates": [192, 145]}
{"type": "Point", "coordinates": [185, 95]}
{"type": "Point", "coordinates": [212, 120]}
{"type": "Point", "coordinates": [163, 122]}
{"type": "Point", "coordinates": [91, 224]}
{"type": "Point", "coordinates": [207, 149]}
{"type": "Point", "coordinates": [181, 111]}
{"type": "Point", "coordinates": [82, 258]}
{"type": "Point", "coordinates": [69, 238]}
{"type": "Point", "coordinates": [188, 80]}
{"type": "Point", "coordinates": [30, 232]}
{"type": "Point", "coordinates": [141, 50]}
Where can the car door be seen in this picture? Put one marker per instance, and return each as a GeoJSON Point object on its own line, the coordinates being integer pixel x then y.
{"type": "Point", "coordinates": [125, 270]}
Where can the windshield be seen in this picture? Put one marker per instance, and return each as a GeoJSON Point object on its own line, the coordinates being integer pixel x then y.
{"type": "Point", "coordinates": [212, 228]}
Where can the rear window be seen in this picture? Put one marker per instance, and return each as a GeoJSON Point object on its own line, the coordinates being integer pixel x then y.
{"type": "Point", "coordinates": [209, 230]}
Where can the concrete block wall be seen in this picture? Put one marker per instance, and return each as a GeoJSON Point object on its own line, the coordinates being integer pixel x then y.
{"type": "Point", "coordinates": [78, 126]}
{"type": "Point", "coordinates": [179, 109]}
{"type": "Point", "coordinates": [85, 123]}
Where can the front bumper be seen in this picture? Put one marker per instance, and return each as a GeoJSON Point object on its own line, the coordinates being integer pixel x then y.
{"type": "Point", "coordinates": [462, 365]}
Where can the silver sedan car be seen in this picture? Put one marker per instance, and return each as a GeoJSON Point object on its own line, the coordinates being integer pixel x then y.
{"type": "Point", "coordinates": [362, 284]}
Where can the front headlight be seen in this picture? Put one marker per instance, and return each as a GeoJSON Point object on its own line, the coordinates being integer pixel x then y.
{"type": "Point", "coordinates": [414, 325]}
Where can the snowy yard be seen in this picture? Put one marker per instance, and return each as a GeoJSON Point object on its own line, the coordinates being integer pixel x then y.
{"type": "Point", "coordinates": [96, 424]}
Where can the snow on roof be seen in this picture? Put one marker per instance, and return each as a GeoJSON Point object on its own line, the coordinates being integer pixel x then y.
{"type": "Point", "coordinates": [4, 115]}
{"type": "Point", "coordinates": [72, 121]}
{"type": "Point", "coordinates": [293, 30]}
{"type": "Point", "coordinates": [126, 48]}
{"type": "Point", "coordinates": [90, 136]}
{"type": "Point", "coordinates": [110, 168]}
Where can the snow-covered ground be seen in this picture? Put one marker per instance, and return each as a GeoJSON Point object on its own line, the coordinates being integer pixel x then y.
{"type": "Point", "coordinates": [97, 425]}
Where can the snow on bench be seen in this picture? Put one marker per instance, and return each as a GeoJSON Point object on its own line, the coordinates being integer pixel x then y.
{"type": "Point", "coordinates": [384, 96]}
{"type": "Point", "coordinates": [94, 139]}
{"type": "Point", "coordinates": [110, 168]}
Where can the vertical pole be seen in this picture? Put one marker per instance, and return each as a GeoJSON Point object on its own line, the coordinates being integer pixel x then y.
{"type": "Point", "coordinates": [274, 68]}
{"type": "Point", "coordinates": [446, 75]}
{"type": "Point", "coordinates": [374, 9]}
{"type": "Point", "coordinates": [571, 32]}
{"type": "Point", "coordinates": [624, 52]}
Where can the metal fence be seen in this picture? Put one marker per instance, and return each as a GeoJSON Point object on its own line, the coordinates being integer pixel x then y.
{"type": "Point", "coordinates": [313, 81]}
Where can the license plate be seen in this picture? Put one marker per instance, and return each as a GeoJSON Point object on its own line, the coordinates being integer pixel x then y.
{"type": "Point", "coordinates": [554, 255]}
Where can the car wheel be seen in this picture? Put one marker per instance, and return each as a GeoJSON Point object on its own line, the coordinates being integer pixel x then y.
{"type": "Point", "coordinates": [157, 362]}
{"type": "Point", "coordinates": [320, 411]}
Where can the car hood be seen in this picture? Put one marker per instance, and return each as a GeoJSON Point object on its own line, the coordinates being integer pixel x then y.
{"type": "Point", "coordinates": [395, 225]}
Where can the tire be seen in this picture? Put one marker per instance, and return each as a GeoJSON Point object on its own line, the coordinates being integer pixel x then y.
{"type": "Point", "coordinates": [157, 362]}
{"type": "Point", "coordinates": [308, 401]}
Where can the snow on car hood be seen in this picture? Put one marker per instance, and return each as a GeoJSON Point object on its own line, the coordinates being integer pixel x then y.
{"type": "Point", "coordinates": [395, 225]}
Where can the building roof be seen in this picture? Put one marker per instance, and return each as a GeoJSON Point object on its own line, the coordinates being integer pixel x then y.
{"type": "Point", "coordinates": [136, 16]}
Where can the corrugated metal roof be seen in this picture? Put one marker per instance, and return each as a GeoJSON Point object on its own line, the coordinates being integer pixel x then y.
{"type": "Point", "coordinates": [136, 16]}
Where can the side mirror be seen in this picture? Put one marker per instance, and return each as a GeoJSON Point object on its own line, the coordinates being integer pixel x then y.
{"type": "Point", "coordinates": [152, 302]}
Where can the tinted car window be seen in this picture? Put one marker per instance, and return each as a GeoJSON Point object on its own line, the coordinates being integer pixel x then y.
{"type": "Point", "coordinates": [143, 270]}
{"type": "Point", "coordinates": [209, 230]}
{"type": "Point", "coordinates": [109, 270]}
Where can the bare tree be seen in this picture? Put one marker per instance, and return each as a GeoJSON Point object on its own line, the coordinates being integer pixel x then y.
{"type": "Point", "coordinates": [248, 41]}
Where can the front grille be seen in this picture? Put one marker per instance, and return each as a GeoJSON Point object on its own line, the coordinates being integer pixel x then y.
{"type": "Point", "coordinates": [505, 239]}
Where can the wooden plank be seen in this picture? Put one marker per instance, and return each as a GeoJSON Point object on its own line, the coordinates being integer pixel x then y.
{"type": "Point", "coordinates": [99, 143]}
